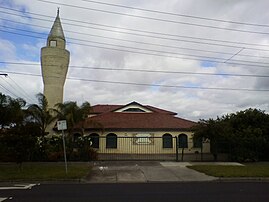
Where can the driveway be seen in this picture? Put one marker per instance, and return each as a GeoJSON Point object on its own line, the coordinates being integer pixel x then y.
{"type": "Point", "coordinates": [144, 171]}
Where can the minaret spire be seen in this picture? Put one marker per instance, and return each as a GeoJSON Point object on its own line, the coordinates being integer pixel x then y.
{"type": "Point", "coordinates": [57, 29]}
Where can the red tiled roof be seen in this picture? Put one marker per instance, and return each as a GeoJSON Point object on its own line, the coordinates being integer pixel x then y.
{"type": "Point", "coordinates": [159, 119]}
{"type": "Point", "coordinates": [118, 120]}
{"type": "Point", "coordinates": [155, 109]}
{"type": "Point", "coordinates": [99, 109]}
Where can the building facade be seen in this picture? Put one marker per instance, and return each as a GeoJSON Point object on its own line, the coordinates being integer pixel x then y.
{"type": "Point", "coordinates": [136, 131]}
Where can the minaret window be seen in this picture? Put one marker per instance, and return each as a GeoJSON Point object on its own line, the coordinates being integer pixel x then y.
{"type": "Point", "coordinates": [53, 43]}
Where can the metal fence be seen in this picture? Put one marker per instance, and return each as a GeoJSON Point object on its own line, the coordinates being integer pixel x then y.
{"type": "Point", "coordinates": [147, 148]}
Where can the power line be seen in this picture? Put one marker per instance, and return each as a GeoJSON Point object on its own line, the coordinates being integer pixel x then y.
{"type": "Point", "coordinates": [152, 54]}
{"type": "Point", "coordinates": [22, 90]}
{"type": "Point", "coordinates": [15, 89]}
{"type": "Point", "coordinates": [150, 32]}
{"type": "Point", "coordinates": [19, 89]}
{"type": "Point", "coordinates": [121, 46]}
{"type": "Point", "coordinates": [155, 19]}
{"type": "Point", "coordinates": [143, 49]}
{"type": "Point", "coordinates": [132, 41]}
{"type": "Point", "coordinates": [145, 70]}
{"type": "Point", "coordinates": [151, 85]}
{"type": "Point", "coordinates": [177, 14]}
{"type": "Point", "coordinates": [7, 90]}
{"type": "Point", "coordinates": [145, 43]}
{"type": "Point", "coordinates": [234, 55]}
{"type": "Point", "coordinates": [172, 72]}
{"type": "Point", "coordinates": [122, 28]}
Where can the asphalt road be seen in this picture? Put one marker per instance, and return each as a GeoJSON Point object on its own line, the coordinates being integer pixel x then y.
{"type": "Point", "coordinates": [193, 191]}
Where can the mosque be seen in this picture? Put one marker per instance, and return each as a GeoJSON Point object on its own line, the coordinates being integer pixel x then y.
{"type": "Point", "coordinates": [126, 131]}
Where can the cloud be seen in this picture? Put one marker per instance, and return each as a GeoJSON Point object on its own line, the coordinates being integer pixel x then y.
{"type": "Point", "coordinates": [174, 47]}
{"type": "Point", "coordinates": [7, 50]}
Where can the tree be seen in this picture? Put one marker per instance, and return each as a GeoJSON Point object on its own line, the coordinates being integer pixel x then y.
{"type": "Point", "coordinates": [11, 111]}
{"type": "Point", "coordinates": [250, 135]}
{"type": "Point", "coordinates": [215, 130]}
{"type": "Point", "coordinates": [73, 113]}
{"type": "Point", "coordinates": [74, 116]}
{"type": "Point", "coordinates": [19, 144]}
{"type": "Point", "coordinates": [41, 114]}
{"type": "Point", "coordinates": [245, 134]}
{"type": "Point", "coordinates": [18, 136]}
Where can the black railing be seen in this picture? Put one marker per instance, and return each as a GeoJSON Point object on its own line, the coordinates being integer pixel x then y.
{"type": "Point", "coordinates": [149, 148]}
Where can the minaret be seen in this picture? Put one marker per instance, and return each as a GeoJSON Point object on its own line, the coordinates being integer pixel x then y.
{"type": "Point", "coordinates": [54, 64]}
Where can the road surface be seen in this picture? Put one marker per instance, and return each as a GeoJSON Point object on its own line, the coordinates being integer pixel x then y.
{"type": "Point", "coordinates": [168, 192]}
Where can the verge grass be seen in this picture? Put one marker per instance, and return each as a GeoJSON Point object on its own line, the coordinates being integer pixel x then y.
{"type": "Point", "coordinates": [43, 171]}
{"type": "Point", "coordinates": [251, 170]}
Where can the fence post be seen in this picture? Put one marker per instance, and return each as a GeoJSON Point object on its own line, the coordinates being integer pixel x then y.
{"type": "Point", "coordinates": [202, 150]}
{"type": "Point", "coordinates": [176, 148]}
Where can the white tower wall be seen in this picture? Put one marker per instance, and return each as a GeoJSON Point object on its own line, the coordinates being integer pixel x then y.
{"type": "Point", "coordinates": [54, 64]}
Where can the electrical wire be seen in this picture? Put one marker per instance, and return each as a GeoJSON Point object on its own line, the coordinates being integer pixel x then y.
{"type": "Point", "coordinates": [7, 90]}
{"type": "Point", "coordinates": [151, 50]}
{"type": "Point", "coordinates": [152, 36]}
{"type": "Point", "coordinates": [155, 19]}
{"type": "Point", "coordinates": [145, 84]}
{"type": "Point", "coordinates": [151, 54]}
{"type": "Point", "coordinates": [22, 90]}
{"type": "Point", "coordinates": [132, 41]}
{"type": "Point", "coordinates": [123, 28]}
{"type": "Point", "coordinates": [18, 90]}
{"type": "Point", "coordinates": [147, 70]}
{"type": "Point", "coordinates": [177, 14]}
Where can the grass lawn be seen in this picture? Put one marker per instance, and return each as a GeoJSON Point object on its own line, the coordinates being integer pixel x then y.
{"type": "Point", "coordinates": [43, 171]}
{"type": "Point", "coordinates": [249, 170]}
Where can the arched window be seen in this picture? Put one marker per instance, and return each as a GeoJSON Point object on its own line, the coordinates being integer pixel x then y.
{"type": "Point", "coordinates": [111, 140]}
{"type": "Point", "coordinates": [183, 141]}
{"type": "Point", "coordinates": [167, 141]}
{"type": "Point", "coordinates": [94, 138]}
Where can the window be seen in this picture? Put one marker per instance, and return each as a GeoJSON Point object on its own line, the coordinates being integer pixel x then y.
{"type": "Point", "coordinates": [197, 142]}
{"type": "Point", "coordinates": [183, 141]}
{"type": "Point", "coordinates": [133, 110]}
{"type": "Point", "coordinates": [53, 43]}
{"type": "Point", "coordinates": [94, 138]}
{"type": "Point", "coordinates": [111, 140]}
{"type": "Point", "coordinates": [167, 141]}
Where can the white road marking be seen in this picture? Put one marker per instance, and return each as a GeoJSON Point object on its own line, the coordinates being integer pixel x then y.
{"type": "Point", "coordinates": [19, 186]}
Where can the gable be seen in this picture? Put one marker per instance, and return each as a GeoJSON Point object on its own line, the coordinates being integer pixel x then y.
{"type": "Point", "coordinates": [133, 107]}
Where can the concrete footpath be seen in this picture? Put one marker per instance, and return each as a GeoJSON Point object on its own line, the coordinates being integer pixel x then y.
{"type": "Point", "coordinates": [144, 171]}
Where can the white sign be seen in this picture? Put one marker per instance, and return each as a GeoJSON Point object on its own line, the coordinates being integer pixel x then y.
{"type": "Point", "coordinates": [61, 125]}
{"type": "Point", "coordinates": [143, 138]}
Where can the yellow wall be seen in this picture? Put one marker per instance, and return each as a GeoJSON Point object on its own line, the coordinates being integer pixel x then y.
{"type": "Point", "coordinates": [129, 145]}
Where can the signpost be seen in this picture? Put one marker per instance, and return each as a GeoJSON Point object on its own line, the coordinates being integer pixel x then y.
{"type": "Point", "coordinates": [61, 125]}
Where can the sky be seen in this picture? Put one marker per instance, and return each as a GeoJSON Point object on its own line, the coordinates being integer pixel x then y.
{"type": "Point", "coordinates": [200, 59]}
